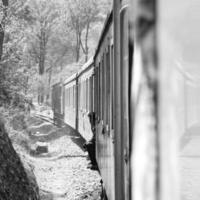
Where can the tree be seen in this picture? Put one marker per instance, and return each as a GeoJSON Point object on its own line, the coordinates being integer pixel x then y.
{"type": "Point", "coordinates": [81, 14]}
{"type": "Point", "coordinates": [45, 15]}
{"type": "Point", "coordinates": [13, 65]}
{"type": "Point", "coordinates": [14, 182]}
{"type": "Point", "coordinates": [4, 8]}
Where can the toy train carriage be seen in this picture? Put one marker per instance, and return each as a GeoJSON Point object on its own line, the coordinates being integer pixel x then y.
{"type": "Point", "coordinates": [112, 86]}
{"type": "Point", "coordinates": [70, 103]}
{"type": "Point", "coordinates": [57, 103]}
{"type": "Point", "coordinates": [85, 99]}
{"type": "Point", "coordinates": [79, 100]}
{"type": "Point", "coordinates": [104, 89]}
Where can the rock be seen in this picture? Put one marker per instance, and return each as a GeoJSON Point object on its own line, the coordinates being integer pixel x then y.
{"type": "Point", "coordinates": [14, 182]}
{"type": "Point", "coordinates": [41, 147]}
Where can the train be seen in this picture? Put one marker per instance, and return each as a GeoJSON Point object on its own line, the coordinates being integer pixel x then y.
{"type": "Point", "coordinates": [91, 90]}
{"type": "Point", "coordinates": [142, 85]}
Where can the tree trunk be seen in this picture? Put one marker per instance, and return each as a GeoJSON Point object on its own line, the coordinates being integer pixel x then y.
{"type": "Point", "coordinates": [42, 53]}
{"type": "Point", "coordinates": [2, 26]}
{"type": "Point", "coordinates": [43, 42]}
{"type": "Point", "coordinates": [86, 42]}
{"type": "Point", "coordinates": [78, 44]}
{"type": "Point", "coordinates": [1, 41]}
{"type": "Point", "coordinates": [85, 49]}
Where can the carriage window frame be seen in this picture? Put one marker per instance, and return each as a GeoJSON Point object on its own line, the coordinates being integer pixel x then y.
{"type": "Point", "coordinates": [87, 93]}
{"type": "Point", "coordinates": [112, 87]}
{"type": "Point", "coordinates": [99, 92]}
{"type": "Point", "coordinates": [105, 89]}
{"type": "Point", "coordinates": [108, 86]}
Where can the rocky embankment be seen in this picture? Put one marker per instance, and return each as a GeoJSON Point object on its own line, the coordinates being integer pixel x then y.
{"type": "Point", "coordinates": [50, 165]}
{"type": "Point", "coordinates": [16, 182]}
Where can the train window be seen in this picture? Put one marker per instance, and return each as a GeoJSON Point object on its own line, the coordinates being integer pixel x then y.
{"type": "Point", "coordinates": [84, 94]}
{"type": "Point", "coordinates": [103, 88]}
{"type": "Point", "coordinates": [78, 90]}
{"type": "Point", "coordinates": [81, 95]}
{"type": "Point", "coordinates": [99, 93]}
{"type": "Point", "coordinates": [72, 99]}
{"type": "Point", "coordinates": [69, 95]}
{"type": "Point", "coordinates": [87, 94]}
{"type": "Point", "coordinates": [87, 84]}
{"type": "Point", "coordinates": [73, 96]}
{"type": "Point", "coordinates": [112, 87]}
{"type": "Point", "coordinates": [108, 86]}
{"type": "Point", "coordinates": [61, 100]}
{"type": "Point", "coordinates": [92, 93]}
{"type": "Point", "coordinates": [82, 91]}
{"type": "Point", "coordinates": [179, 59]}
{"type": "Point", "coordinates": [67, 98]}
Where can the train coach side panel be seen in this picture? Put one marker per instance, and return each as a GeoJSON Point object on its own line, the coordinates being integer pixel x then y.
{"type": "Point", "coordinates": [57, 103]}
{"type": "Point", "coordinates": [103, 109]}
{"type": "Point", "coordinates": [70, 104]}
{"type": "Point", "coordinates": [85, 102]}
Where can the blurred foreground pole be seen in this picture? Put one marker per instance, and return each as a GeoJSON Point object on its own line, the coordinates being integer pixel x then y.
{"type": "Point", "coordinates": [145, 158]}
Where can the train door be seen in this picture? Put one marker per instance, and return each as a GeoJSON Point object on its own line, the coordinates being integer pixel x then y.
{"type": "Point", "coordinates": [124, 62]}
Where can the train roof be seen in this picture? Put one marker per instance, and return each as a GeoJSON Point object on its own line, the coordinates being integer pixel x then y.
{"type": "Point", "coordinates": [104, 31]}
{"type": "Point", "coordinates": [90, 62]}
{"type": "Point", "coordinates": [56, 84]}
{"type": "Point", "coordinates": [70, 79]}
{"type": "Point", "coordinates": [86, 66]}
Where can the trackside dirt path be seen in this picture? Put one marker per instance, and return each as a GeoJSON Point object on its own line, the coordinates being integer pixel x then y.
{"type": "Point", "coordinates": [62, 173]}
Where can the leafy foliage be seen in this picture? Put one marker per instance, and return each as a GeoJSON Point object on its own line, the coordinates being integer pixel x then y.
{"type": "Point", "coordinates": [40, 41]}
